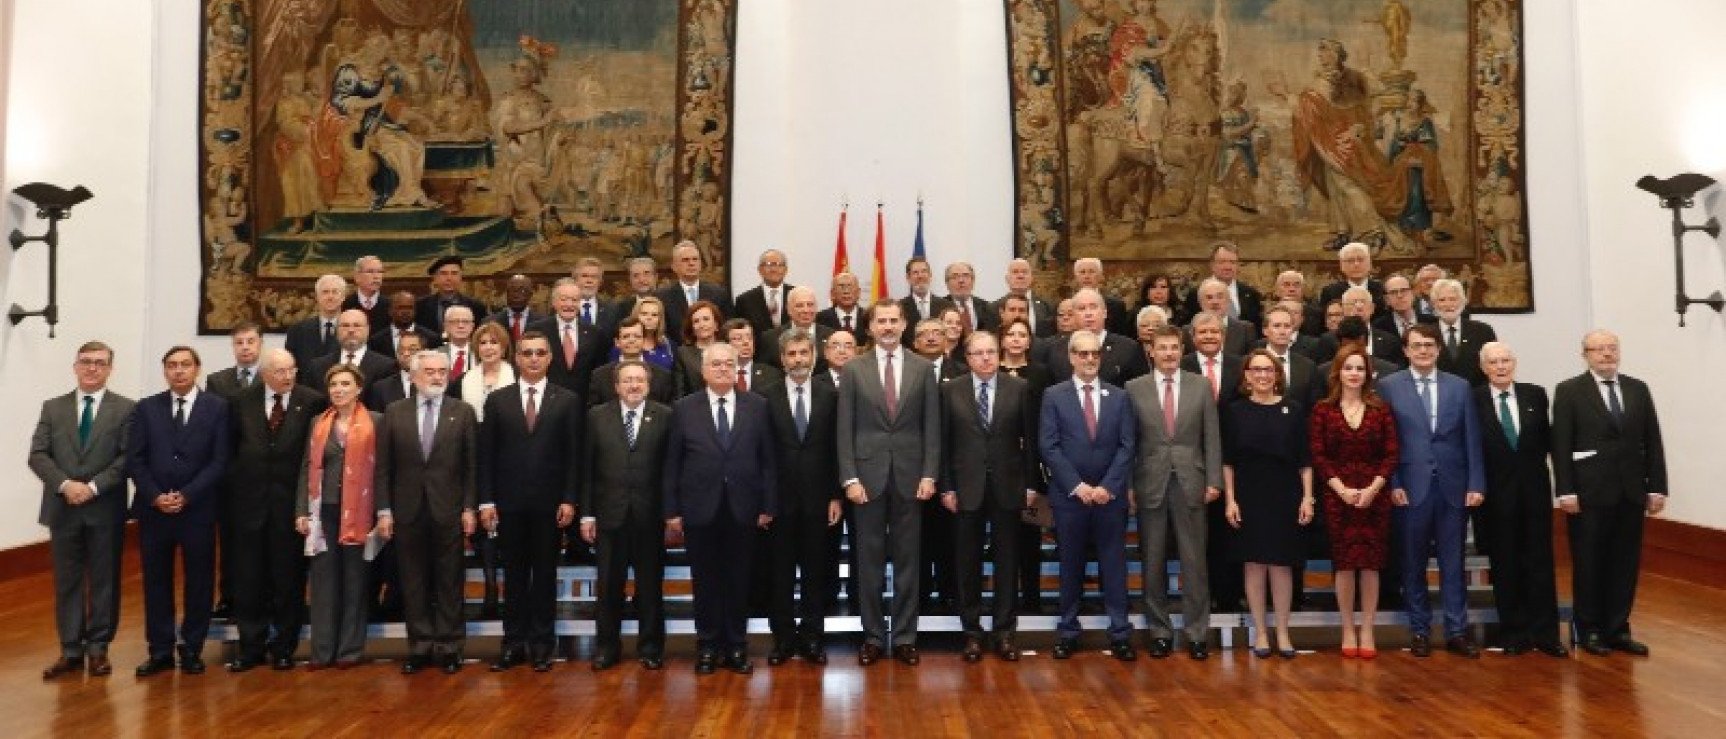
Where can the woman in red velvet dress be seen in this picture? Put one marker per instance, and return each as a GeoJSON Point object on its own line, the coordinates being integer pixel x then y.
{"type": "Point", "coordinates": [1354, 450]}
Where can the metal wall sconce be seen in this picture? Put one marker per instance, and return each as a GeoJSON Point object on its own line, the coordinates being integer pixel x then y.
{"type": "Point", "coordinates": [54, 204]}
{"type": "Point", "coordinates": [1677, 193]}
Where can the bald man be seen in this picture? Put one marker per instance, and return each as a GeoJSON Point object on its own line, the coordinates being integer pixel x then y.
{"type": "Point", "coordinates": [764, 306]}
{"type": "Point", "coordinates": [1040, 314]}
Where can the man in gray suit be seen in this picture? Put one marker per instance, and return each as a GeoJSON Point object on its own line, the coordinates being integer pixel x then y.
{"type": "Point", "coordinates": [79, 454]}
{"type": "Point", "coordinates": [427, 460]}
{"type": "Point", "coordinates": [1179, 470]}
{"type": "Point", "coordinates": [889, 457]}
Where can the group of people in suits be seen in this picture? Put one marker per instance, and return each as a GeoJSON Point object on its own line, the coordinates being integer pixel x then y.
{"type": "Point", "coordinates": [775, 427]}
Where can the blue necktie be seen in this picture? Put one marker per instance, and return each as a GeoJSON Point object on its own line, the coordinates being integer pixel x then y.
{"type": "Point", "coordinates": [85, 419]}
{"type": "Point", "coordinates": [1426, 404]}
{"type": "Point", "coordinates": [1506, 419]}
{"type": "Point", "coordinates": [801, 415]}
{"type": "Point", "coordinates": [983, 404]}
{"type": "Point", "coordinates": [723, 424]}
{"type": "Point", "coordinates": [629, 428]}
{"type": "Point", "coordinates": [586, 313]}
{"type": "Point", "coordinates": [1612, 403]}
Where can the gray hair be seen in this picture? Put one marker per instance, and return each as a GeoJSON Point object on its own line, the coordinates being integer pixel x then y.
{"type": "Point", "coordinates": [1207, 318]}
{"type": "Point", "coordinates": [789, 339]}
{"type": "Point", "coordinates": [1354, 248]}
{"type": "Point", "coordinates": [1495, 347]}
{"type": "Point", "coordinates": [1152, 310]}
{"type": "Point", "coordinates": [422, 355]}
{"type": "Point", "coordinates": [1087, 335]}
{"type": "Point", "coordinates": [330, 279]}
{"type": "Point", "coordinates": [721, 347]}
{"type": "Point", "coordinates": [1450, 284]}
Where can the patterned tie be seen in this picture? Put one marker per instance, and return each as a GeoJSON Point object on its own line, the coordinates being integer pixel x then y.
{"type": "Point", "coordinates": [245, 377]}
{"type": "Point", "coordinates": [1426, 403]}
{"type": "Point", "coordinates": [890, 389]}
{"type": "Point", "coordinates": [629, 429]}
{"type": "Point", "coordinates": [742, 379]}
{"type": "Point", "coordinates": [277, 412]}
{"type": "Point", "coordinates": [847, 321]}
{"type": "Point", "coordinates": [515, 325]}
{"type": "Point", "coordinates": [1169, 406]}
{"type": "Point", "coordinates": [428, 429]}
{"type": "Point", "coordinates": [1211, 374]}
{"type": "Point", "coordinates": [773, 306]}
{"type": "Point", "coordinates": [180, 412]}
{"type": "Point", "coordinates": [723, 425]}
{"type": "Point", "coordinates": [1612, 402]}
{"type": "Point", "coordinates": [85, 419]}
{"type": "Point", "coordinates": [965, 312]}
{"type": "Point", "coordinates": [983, 404]}
{"type": "Point", "coordinates": [800, 414]}
{"type": "Point", "coordinates": [1090, 414]}
{"type": "Point", "coordinates": [1505, 418]}
{"type": "Point", "coordinates": [460, 365]}
{"type": "Point", "coordinates": [568, 347]}
{"type": "Point", "coordinates": [587, 312]}
{"type": "Point", "coordinates": [532, 409]}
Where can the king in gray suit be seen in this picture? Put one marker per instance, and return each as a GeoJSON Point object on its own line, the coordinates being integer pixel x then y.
{"type": "Point", "coordinates": [79, 454]}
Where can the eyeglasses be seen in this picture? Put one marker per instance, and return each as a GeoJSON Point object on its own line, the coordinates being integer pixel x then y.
{"type": "Point", "coordinates": [92, 363]}
{"type": "Point", "coordinates": [533, 352]}
{"type": "Point", "coordinates": [1086, 353]}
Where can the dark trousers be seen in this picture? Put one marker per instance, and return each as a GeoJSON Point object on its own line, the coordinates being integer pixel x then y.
{"type": "Point", "coordinates": [1606, 554]}
{"type": "Point", "coordinates": [86, 583]}
{"type": "Point", "coordinates": [269, 596]}
{"type": "Point", "coordinates": [1433, 528]}
{"type": "Point", "coordinates": [938, 547]}
{"type": "Point", "coordinates": [159, 537]}
{"type": "Point", "coordinates": [1227, 578]}
{"type": "Point", "coordinates": [384, 592]}
{"type": "Point", "coordinates": [530, 540]}
{"type": "Point", "coordinates": [719, 563]}
{"type": "Point", "coordinates": [1003, 536]}
{"type": "Point", "coordinates": [1030, 564]}
{"type": "Point", "coordinates": [889, 523]}
{"type": "Point", "coordinates": [1518, 529]}
{"type": "Point", "coordinates": [1078, 528]}
{"type": "Point", "coordinates": [339, 581]}
{"type": "Point", "coordinates": [227, 542]}
{"type": "Point", "coordinates": [638, 543]}
{"type": "Point", "coordinates": [800, 544]}
{"type": "Point", "coordinates": [432, 574]}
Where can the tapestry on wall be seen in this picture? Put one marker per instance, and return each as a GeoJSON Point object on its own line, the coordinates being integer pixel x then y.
{"type": "Point", "coordinates": [1145, 131]}
{"type": "Point", "coordinates": [521, 135]}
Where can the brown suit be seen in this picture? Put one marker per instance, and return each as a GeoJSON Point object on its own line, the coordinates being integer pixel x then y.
{"type": "Point", "coordinates": [426, 495]}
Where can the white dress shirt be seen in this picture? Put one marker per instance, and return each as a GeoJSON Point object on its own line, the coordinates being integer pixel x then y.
{"type": "Point", "coordinates": [1431, 395]}
{"type": "Point", "coordinates": [730, 398]}
{"type": "Point", "coordinates": [95, 408]}
{"type": "Point", "coordinates": [1515, 415]}
{"type": "Point", "coordinates": [898, 367]}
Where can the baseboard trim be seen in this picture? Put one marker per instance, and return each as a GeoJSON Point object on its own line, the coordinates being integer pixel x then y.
{"type": "Point", "coordinates": [35, 559]}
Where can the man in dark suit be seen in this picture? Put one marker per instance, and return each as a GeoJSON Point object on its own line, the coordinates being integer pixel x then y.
{"type": "Point", "coordinates": [178, 452]}
{"type": "Point", "coordinates": [79, 453]}
{"type": "Point", "coordinates": [589, 278]}
{"type": "Point", "coordinates": [1038, 312]}
{"type": "Point", "coordinates": [399, 383]}
{"type": "Point", "coordinates": [804, 416]}
{"type": "Point", "coordinates": [1461, 336]}
{"type": "Point", "coordinates": [749, 373]}
{"type": "Point", "coordinates": [1088, 273]}
{"type": "Point", "coordinates": [1012, 308]}
{"type": "Point", "coordinates": [350, 349]}
{"type": "Point", "coordinates": [1355, 262]}
{"type": "Point", "coordinates": [1400, 315]}
{"type": "Point", "coordinates": [764, 306]}
{"type": "Point", "coordinates": [990, 453]}
{"type": "Point", "coordinates": [272, 421]}
{"type": "Point", "coordinates": [1382, 345]}
{"type": "Point", "coordinates": [1291, 286]}
{"type": "Point", "coordinates": [529, 445]}
{"type": "Point", "coordinates": [1238, 335]}
{"type": "Point", "coordinates": [1087, 438]}
{"type": "Point", "coordinates": [1352, 330]}
{"type": "Point", "coordinates": [1423, 280]}
{"type": "Point", "coordinates": [426, 479]}
{"type": "Point", "coordinates": [1300, 374]}
{"type": "Point", "coordinates": [930, 342]}
{"type": "Point", "coordinates": [1244, 302]}
{"type": "Point", "coordinates": [386, 337]}
{"type": "Point", "coordinates": [920, 303]}
{"type": "Point", "coordinates": [246, 339]}
{"type": "Point", "coordinates": [575, 349]}
{"type": "Point", "coordinates": [974, 312]}
{"type": "Point", "coordinates": [517, 312]}
{"type": "Point", "coordinates": [643, 282]}
{"type": "Point", "coordinates": [368, 294]}
{"type": "Point", "coordinates": [844, 314]}
{"type": "Point", "coordinates": [602, 387]}
{"type": "Point", "coordinates": [721, 485]}
{"type": "Point", "coordinates": [622, 504]}
{"type": "Point", "coordinates": [889, 458]}
{"type": "Point", "coordinates": [446, 292]}
{"type": "Point", "coordinates": [316, 336]}
{"type": "Point", "coordinates": [1440, 474]}
{"type": "Point", "coordinates": [1123, 359]}
{"type": "Point", "coordinates": [1515, 524]}
{"type": "Point", "coordinates": [800, 311]}
{"type": "Point", "coordinates": [1609, 467]}
{"type": "Point", "coordinates": [689, 288]}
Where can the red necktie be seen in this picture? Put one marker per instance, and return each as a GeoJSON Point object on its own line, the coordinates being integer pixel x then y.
{"type": "Point", "coordinates": [532, 409]}
{"type": "Point", "coordinates": [515, 326]}
{"type": "Point", "coordinates": [1090, 414]}
{"type": "Point", "coordinates": [1211, 374]}
{"type": "Point", "coordinates": [568, 347]}
{"type": "Point", "coordinates": [1169, 406]}
{"type": "Point", "coordinates": [460, 362]}
{"type": "Point", "coordinates": [742, 380]}
{"type": "Point", "coordinates": [890, 389]}
{"type": "Point", "coordinates": [277, 414]}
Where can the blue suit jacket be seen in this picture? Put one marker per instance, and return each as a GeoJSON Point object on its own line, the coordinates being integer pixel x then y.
{"type": "Point", "coordinates": [1452, 450]}
{"type": "Point", "coordinates": [700, 471]}
{"type": "Point", "coordinates": [1072, 457]}
{"type": "Point", "coordinates": [163, 457]}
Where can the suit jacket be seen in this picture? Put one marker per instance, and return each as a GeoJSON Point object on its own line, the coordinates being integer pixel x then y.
{"type": "Point", "coordinates": [163, 456]}
{"type": "Point", "coordinates": [378, 316]}
{"type": "Point", "coordinates": [993, 464]}
{"type": "Point", "coordinates": [1521, 471]}
{"type": "Point", "coordinates": [808, 467]}
{"type": "Point", "coordinates": [1387, 322]}
{"type": "Point", "coordinates": [1123, 359]}
{"type": "Point", "coordinates": [761, 375]}
{"type": "Point", "coordinates": [428, 310]}
{"type": "Point", "coordinates": [384, 341]}
{"type": "Point", "coordinates": [1619, 461]}
{"type": "Point", "coordinates": [1334, 291]}
{"type": "Point", "coordinates": [701, 471]}
{"type": "Point", "coordinates": [226, 383]}
{"type": "Point", "coordinates": [1044, 313]}
{"type": "Point", "coordinates": [305, 340]}
{"type": "Point", "coordinates": [1238, 338]}
{"type": "Point", "coordinates": [56, 456]}
{"type": "Point", "coordinates": [530, 471]}
{"type": "Point", "coordinates": [530, 316]}
{"type": "Point", "coordinates": [677, 304]}
{"type": "Point", "coordinates": [1471, 336]}
{"type": "Point", "coordinates": [602, 388]}
{"type": "Point", "coordinates": [1072, 457]}
{"type": "Point", "coordinates": [374, 366]}
{"type": "Point", "coordinates": [590, 352]}
{"type": "Point", "coordinates": [1228, 383]}
{"type": "Point", "coordinates": [1194, 454]}
{"type": "Point", "coordinates": [618, 483]}
{"type": "Point", "coordinates": [1251, 304]}
{"type": "Point", "coordinates": [1385, 346]}
{"type": "Point", "coordinates": [767, 345]}
{"type": "Point", "coordinates": [982, 311]}
{"type": "Point", "coordinates": [1302, 382]}
{"type": "Point", "coordinates": [1120, 321]}
{"type": "Point", "coordinates": [872, 445]}
{"type": "Point", "coordinates": [751, 306]}
{"type": "Point", "coordinates": [440, 486]}
{"type": "Point", "coordinates": [829, 317]}
{"type": "Point", "coordinates": [908, 308]}
{"type": "Point", "coordinates": [382, 393]}
{"type": "Point", "coordinates": [1444, 461]}
{"type": "Point", "coordinates": [265, 468]}
{"type": "Point", "coordinates": [951, 367]}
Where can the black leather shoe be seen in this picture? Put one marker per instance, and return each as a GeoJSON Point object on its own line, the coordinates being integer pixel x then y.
{"type": "Point", "coordinates": [1552, 649]}
{"type": "Point", "coordinates": [414, 664]}
{"type": "Point", "coordinates": [1123, 651]}
{"type": "Point", "coordinates": [604, 662]}
{"type": "Point", "coordinates": [906, 654]}
{"type": "Point", "coordinates": [542, 664]}
{"type": "Point", "coordinates": [63, 666]}
{"type": "Point", "coordinates": [1517, 648]}
{"type": "Point", "coordinates": [1198, 650]}
{"type": "Point", "coordinates": [815, 654]}
{"type": "Point", "coordinates": [1420, 645]}
{"type": "Point", "coordinates": [1004, 647]}
{"type": "Point", "coordinates": [780, 654]}
{"type": "Point", "coordinates": [99, 665]}
{"type": "Point", "coordinates": [154, 665]}
{"type": "Point", "coordinates": [1595, 645]}
{"type": "Point", "coordinates": [243, 664]}
{"type": "Point", "coordinates": [1161, 648]}
{"type": "Point", "coordinates": [739, 663]}
{"type": "Point", "coordinates": [282, 664]}
{"type": "Point", "coordinates": [973, 651]}
{"type": "Point", "coordinates": [705, 662]}
{"type": "Point", "coordinates": [1462, 646]}
{"type": "Point", "coordinates": [451, 664]}
{"type": "Point", "coordinates": [1628, 645]}
{"type": "Point", "coordinates": [868, 654]}
{"type": "Point", "coordinates": [509, 657]}
{"type": "Point", "coordinates": [191, 664]}
{"type": "Point", "coordinates": [1065, 648]}
{"type": "Point", "coordinates": [652, 662]}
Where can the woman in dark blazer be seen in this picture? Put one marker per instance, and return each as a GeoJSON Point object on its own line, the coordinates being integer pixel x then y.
{"type": "Point", "coordinates": [336, 513]}
{"type": "Point", "coordinates": [1016, 361]}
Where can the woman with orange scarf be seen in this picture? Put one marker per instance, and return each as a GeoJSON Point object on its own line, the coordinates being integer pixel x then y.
{"type": "Point", "coordinates": [336, 514]}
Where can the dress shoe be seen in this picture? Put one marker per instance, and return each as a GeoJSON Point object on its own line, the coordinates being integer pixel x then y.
{"type": "Point", "coordinates": [906, 654]}
{"type": "Point", "coordinates": [100, 666]}
{"type": "Point", "coordinates": [1595, 645]}
{"type": "Point", "coordinates": [778, 655]}
{"type": "Point", "coordinates": [1552, 649]}
{"type": "Point", "coordinates": [414, 664]}
{"type": "Point", "coordinates": [1065, 648]}
{"type": "Point", "coordinates": [652, 662]}
{"type": "Point", "coordinates": [1420, 645]}
{"type": "Point", "coordinates": [705, 662]}
{"type": "Point", "coordinates": [1263, 652]}
{"type": "Point", "coordinates": [451, 664]}
{"type": "Point", "coordinates": [604, 662]}
{"type": "Point", "coordinates": [282, 664]}
{"type": "Point", "coordinates": [1005, 649]}
{"type": "Point", "coordinates": [542, 664]}
{"type": "Point", "coordinates": [739, 663]}
{"type": "Point", "coordinates": [1517, 648]}
{"type": "Point", "coordinates": [973, 651]}
{"type": "Point", "coordinates": [1198, 650]}
{"type": "Point", "coordinates": [1462, 646]}
{"type": "Point", "coordinates": [1289, 653]}
{"type": "Point", "coordinates": [154, 665]}
{"type": "Point", "coordinates": [191, 664]}
{"type": "Point", "coordinates": [868, 654]}
{"type": "Point", "coordinates": [63, 666]}
{"type": "Point", "coordinates": [1350, 652]}
{"type": "Point", "coordinates": [243, 664]}
{"type": "Point", "coordinates": [1161, 648]}
{"type": "Point", "coordinates": [815, 654]}
{"type": "Point", "coordinates": [1628, 645]}
{"type": "Point", "coordinates": [1123, 651]}
{"type": "Point", "coordinates": [1369, 652]}
{"type": "Point", "coordinates": [509, 657]}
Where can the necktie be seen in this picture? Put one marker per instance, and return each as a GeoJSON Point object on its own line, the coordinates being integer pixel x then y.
{"type": "Point", "coordinates": [329, 332]}
{"type": "Point", "coordinates": [742, 380]}
{"type": "Point", "coordinates": [460, 365]}
{"type": "Point", "coordinates": [1612, 403]}
{"type": "Point", "coordinates": [1426, 403]}
{"type": "Point", "coordinates": [85, 419]}
{"type": "Point", "coordinates": [773, 306]}
{"type": "Point", "coordinates": [1505, 419]}
{"type": "Point", "coordinates": [722, 423]}
{"type": "Point", "coordinates": [983, 404]}
{"type": "Point", "coordinates": [245, 377]}
{"type": "Point", "coordinates": [965, 313]}
{"type": "Point", "coordinates": [1090, 414]}
{"type": "Point", "coordinates": [1211, 374]}
{"type": "Point", "coordinates": [1169, 406]}
{"type": "Point", "coordinates": [532, 409]}
{"type": "Point", "coordinates": [587, 312]}
{"type": "Point", "coordinates": [515, 325]}
{"type": "Point", "coordinates": [568, 347]}
{"type": "Point", "coordinates": [890, 389]}
{"type": "Point", "coordinates": [1450, 341]}
{"type": "Point", "coordinates": [691, 294]}
{"type": "Point", "coordinates": [277, 413]}
{"type": "Point", "coordinates": [350, 358]}
{"type": "Point", "coordinates": [428, 429]}
{"type": "Point", "coordinates": [1234, 308]}
{"type": "Point", "coordinates": [629, 429]}
{"type": "Point", "coordinates": [180, 412]}
{"type": "Point", "coordinates": [1031, 314]}
{"type": "Point", "coordinates": [800, 414]}
{"type": "Point", "coordinates": [922, 308]}
{"type": "Point", "coordinates": [847, 321]}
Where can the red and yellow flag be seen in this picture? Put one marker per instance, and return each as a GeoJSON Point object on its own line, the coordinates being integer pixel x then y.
{"type": "Point", "coordinates": [878, 281]}
{"type": "Point", "coordinates": [841, 261]}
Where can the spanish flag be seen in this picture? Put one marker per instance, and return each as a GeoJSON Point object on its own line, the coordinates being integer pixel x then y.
{"type": "Point", "coordinates": [841, 261]}
{"type": "Point", "coordinates": [878, 281]}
